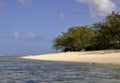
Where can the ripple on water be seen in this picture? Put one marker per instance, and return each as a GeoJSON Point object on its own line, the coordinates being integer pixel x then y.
{"type": "Point", "coordinates": [15, 70]}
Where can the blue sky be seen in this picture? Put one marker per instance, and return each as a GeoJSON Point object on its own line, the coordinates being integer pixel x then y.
{"type": "Point", "coordinates": [29, 26]}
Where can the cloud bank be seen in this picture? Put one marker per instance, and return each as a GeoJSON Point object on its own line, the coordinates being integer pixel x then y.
{"type": "Point", "coordinates": [99, 7]}
{"type": "Point", "coordinates": [30, 35]}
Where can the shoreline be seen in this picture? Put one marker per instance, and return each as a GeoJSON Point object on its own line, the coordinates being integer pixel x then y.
{"type": "Point", "coordinates": [105, 57]}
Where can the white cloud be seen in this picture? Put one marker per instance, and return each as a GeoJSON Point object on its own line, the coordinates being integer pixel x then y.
{"type": "Point", "coordinates": [61, 15]}
{"type": "Point", "coordinates": [30, 35]}
{"type": "Point", "coordinates": [99, 7]}
{"type": "Point", "coordinates": [27, 36]}
{"type": "Point", "coordinates": [16, 35]}
{"type": "Point", "coordinates": [25, 2]}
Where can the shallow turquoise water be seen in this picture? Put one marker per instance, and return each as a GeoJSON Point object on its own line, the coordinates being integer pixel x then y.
{"type": "Point", "coordinates": [16, 70]}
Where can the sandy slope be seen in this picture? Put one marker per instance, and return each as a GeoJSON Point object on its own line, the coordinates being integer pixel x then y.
{"type": "Point", "coordinates": [98, 57]}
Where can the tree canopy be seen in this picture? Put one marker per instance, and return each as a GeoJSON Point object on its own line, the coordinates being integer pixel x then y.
{"type": "Point", "coordinates": [108, 30]}
{"type": "Point", "coordinates": [76, 38]}
{"type": "Point", "coordinates": [101, 35]}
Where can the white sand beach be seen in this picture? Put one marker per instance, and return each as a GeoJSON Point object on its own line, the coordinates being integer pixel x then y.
{"type": "Point", "coordinates": [109, 57]}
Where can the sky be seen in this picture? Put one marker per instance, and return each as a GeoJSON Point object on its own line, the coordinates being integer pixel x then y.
{"type": "Point", "coordinates": [28, 27]}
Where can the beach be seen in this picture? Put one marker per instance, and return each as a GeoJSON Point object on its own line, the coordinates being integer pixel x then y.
{"type": "Point", "coordinates": [107, 57]}
{"type": "Point", "coordinates": [17, 70]}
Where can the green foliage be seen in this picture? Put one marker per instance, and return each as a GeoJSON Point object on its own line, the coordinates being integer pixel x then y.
{"type": "Point", "coordinates": [108, 32]}
{"type": "Point", "coordinates": [101, 35]}
{"type": "Point", "coordinates": [76, 38]}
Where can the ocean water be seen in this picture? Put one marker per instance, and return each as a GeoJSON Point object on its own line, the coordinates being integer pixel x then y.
{"type": "Point", "coordinates": [16, 70]}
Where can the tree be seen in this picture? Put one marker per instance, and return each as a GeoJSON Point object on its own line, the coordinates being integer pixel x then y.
{"type": "Point", "coordinates": [101, 35]}
{"type": "Point", "coordinates": [108, 32]}
{"type": "Point", "coordinates": [75, 39]}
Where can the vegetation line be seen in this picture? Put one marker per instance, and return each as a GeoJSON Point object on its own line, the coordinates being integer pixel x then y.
{"type": "Point", "coordinates": [101, 35]}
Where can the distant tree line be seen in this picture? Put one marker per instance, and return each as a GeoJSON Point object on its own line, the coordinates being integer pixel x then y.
{"type": "Point", "coordinates": [101, 35]}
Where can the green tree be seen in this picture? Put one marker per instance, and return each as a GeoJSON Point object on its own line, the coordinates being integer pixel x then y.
{"type": "Point", "coordinates": [101, 35]}
{"type": "Point", "coordinates": [108, 32]}
{"type": "Point", "coordinates": [76, 38]}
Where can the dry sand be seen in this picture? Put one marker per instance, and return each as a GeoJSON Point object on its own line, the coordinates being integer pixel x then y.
{"type": "Point", "coordinates": [111, 57]}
